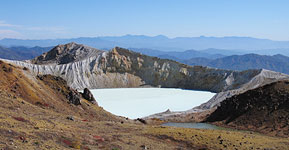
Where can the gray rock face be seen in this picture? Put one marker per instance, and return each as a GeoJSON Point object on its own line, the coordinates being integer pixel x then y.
{"type": "Point", "coordinates": [264, 77]}
{"type": "Point", "coordinates": [91, 68]}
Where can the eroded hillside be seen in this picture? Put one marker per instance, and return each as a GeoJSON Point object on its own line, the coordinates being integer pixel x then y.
{"type": "Point", "coordinates": [85, 67]}
{"type": "Point", "coordinates": [42, 112]}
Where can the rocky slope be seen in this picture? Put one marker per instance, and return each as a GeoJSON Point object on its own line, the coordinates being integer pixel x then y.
{"type": "Point", "coordinates": [64, 54]}
{"type": "Point", "coordinates": [46, 91]}
{"type": "Point", "coordinates": [264, 77]}
{"type": "Point", "coordinates": [199, 113]}
{"type": "Point", "coordinates": [264, 109]}
{"type": "Point", "coordinates": [85, 67]}
{"type": "Point", "coordinates": [42, 112]}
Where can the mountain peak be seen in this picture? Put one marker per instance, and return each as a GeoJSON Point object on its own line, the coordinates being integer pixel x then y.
{"type": "Point", "coordinates": [66, 53]}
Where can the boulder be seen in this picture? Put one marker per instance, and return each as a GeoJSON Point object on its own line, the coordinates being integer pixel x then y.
{"type": "Point", "coordinates": [141, 120]}
{"type": "Point", "coordinates": [74, 97]}
{"type": "Point", "coordinates": [88, 95]}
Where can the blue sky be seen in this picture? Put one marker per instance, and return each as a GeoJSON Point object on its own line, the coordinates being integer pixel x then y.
{"type": "Point", "coordinates": [39, 19]}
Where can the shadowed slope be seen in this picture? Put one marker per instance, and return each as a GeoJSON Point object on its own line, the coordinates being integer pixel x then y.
{"type": "Point", "coordinates": [264, 109]}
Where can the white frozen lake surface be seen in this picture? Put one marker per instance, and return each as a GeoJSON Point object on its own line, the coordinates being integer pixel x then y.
{"type": "Point", "coordinates": [141, 102]}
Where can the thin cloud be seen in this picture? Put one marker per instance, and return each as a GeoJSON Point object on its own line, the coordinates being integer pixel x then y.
{"type": "Point", "coordinates": [10, 34]}
{"type": "Point", "coordinates": [8, 30]}
{"type": "Point", "coordinates": [37, 28]}
{"type": "Point", "coordinates": [50, 29]}
{"type": "Point", "coordinates": [5, 24]}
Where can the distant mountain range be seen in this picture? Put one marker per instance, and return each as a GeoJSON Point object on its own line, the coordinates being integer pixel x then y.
{"type": "Point", "coordinates": [24, 53]}
{"type": "Point", "coordinates": [279, 63]}
{"type": "Point", "coordinates": [21, 52]}
{"type": "Point", "coordinates": [178, 56]}
{"type": "Point", "coordinates": [216, 58]}
{"type": "Point", "coordinates": [242, 52]}
{"type": "Point", "coordinates": [211, 53]}
{"type": "Point", "coordinates": [160, 42]}
{"type": "Point", "coordinates": [225, 53]}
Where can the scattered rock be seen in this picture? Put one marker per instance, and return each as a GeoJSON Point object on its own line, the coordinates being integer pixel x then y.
{"type": "Point", "coordinates": [141, 120]}
{"type": "Point", "coordinates": [23, 139]}
{"type": "Point", "coordinates": [74, 97]}
{"type": "Point", "coordinates": [144, 147]}
{"type": "Point", "coordinates": [221, 142]}
{"type": "Point", "coordinates": [7, 69]}
{"type": "Point", "coordinates": [70, 118]}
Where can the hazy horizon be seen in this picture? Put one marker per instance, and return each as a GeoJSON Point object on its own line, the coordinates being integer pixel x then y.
{"type": "Point", "coordinates": [168, 37]}
{"type": "Point", "coordinates": [64, 19]}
